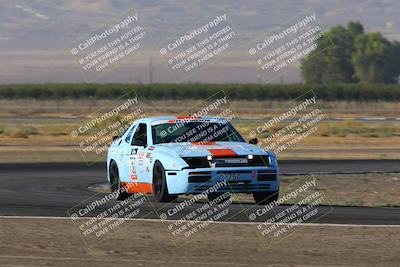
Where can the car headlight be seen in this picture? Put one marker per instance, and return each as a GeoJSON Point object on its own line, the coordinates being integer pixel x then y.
{"type": "Point", "coordinates": [272, 158]}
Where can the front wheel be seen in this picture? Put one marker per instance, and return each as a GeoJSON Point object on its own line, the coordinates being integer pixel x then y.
{"type": "Point", "coordinates": [160, 189]}
{"type": "Point", "coordinates": [264, 198]}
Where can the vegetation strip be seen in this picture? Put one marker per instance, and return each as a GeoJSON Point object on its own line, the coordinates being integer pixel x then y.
{"type": "Point", "coordinates": [353, 92]}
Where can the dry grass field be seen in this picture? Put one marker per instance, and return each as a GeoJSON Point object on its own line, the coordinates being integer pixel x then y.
{"type": "Point", "coordinates": [33, 130]}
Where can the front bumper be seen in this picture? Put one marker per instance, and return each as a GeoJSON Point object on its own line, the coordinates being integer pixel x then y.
{"type": "Point", "coordinates": [245, 179]}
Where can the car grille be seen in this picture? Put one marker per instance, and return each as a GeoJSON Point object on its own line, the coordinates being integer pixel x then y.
{"type": "Point", "coordinates": [236, 187]}
{"type": "Point", "coordinates": [199, 177]}
{"type": "Point", "coordinates": [267, 175]}
{"type": "Point", "coordinates": [203, 177]}
{"type": "Point", "coordinates": [239, 161]}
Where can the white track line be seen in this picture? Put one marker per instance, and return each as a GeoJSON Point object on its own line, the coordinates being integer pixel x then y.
{"type": "Point", "coordinates": [215, 222]}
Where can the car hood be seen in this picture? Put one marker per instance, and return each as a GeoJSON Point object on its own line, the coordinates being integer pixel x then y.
{"type": "Point", "coordinates": [220, 149]}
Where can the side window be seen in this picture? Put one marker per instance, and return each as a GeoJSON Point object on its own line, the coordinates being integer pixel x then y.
{"type": "Point", "coordinates": [129, 134]}
{"type": "Point", "coordinates": [140, 136]}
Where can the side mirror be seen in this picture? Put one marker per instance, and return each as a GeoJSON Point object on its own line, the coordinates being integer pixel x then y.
{"type": "Point", "coordinates": [253, 141]}
{"type": "Point", "coordinates": [115, 137]}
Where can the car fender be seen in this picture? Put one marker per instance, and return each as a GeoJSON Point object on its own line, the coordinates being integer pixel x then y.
{"type": "Point", "coordinates": [168, 158]}
{"type": "Point", "coordinates": [112, 155]}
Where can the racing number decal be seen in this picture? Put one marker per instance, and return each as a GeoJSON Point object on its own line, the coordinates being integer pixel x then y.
{"type": "Point", "coordinates": [132, 163]}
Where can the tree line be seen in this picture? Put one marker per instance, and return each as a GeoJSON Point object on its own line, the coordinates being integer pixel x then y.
{"type": "Point", "coordinates": [330, 92]}
{"type": "Point", "coordinates": [349, 55]}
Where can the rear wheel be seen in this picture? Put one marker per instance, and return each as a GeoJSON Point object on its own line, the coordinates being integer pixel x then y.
{"type": "Point", "coordinates": [160, 189]}
{"type": "Point", "coordinates": [263, 198]}
{"type": "Point", "coordinates": [116, 185]}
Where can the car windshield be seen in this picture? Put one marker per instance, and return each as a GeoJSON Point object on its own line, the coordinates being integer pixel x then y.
{"type": "Point", "coordinates": [194, 131]}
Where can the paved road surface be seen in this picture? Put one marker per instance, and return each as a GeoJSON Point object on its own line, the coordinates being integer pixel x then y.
{"type": "Point", "coordinates": [52, 189]}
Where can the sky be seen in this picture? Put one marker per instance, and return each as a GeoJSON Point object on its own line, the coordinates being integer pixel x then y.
{"type": "Point", "coordinates": [36, 37]}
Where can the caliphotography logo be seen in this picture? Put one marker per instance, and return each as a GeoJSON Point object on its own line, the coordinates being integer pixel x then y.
{"type": "Point", "coordinates": [292, 125]}
{"type": "Point", "coordinates": [99, 217]}
{"type": "Point", "coordinates": [102, 50]}
{"type": "Point", "coordinates": [288, 44]}
{"type": "Point", "coordinates": [287, 214]}
{"type": "Point", "coordinates": [193, 49]}
{"type": "Point", "coordinates": [94, 134]}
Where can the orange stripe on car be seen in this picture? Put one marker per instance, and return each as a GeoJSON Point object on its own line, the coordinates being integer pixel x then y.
{"type": "Point", "coordinates": [138, 188]}
{"type": "Point", "coordinates": [187, 117]}
{"type": "Point", "coordinates": [222, 152]}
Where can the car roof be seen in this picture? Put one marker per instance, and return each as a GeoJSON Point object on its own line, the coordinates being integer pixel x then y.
{"type": "Point", "coordinates": [162, 118]}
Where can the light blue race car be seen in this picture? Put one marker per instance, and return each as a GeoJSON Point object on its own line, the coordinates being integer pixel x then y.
{"type": "Point", "coordinates": [171, 156]}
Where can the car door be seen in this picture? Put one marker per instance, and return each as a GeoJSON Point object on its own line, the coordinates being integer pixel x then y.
{"type": "Point", "coordinates": [124, 170]}
{"type": "Point", "coordinates": [136, 155]}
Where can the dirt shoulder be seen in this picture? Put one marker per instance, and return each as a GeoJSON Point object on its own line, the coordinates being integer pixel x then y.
{"type": "Point", "coordinates": [38, 242]}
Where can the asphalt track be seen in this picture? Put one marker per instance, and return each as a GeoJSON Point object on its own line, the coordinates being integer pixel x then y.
{"type": "Point", "coordinates": [51, 189]}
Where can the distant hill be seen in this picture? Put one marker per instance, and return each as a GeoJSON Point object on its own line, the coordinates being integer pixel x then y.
{"type": "Point", "coordinates": [34, 34]}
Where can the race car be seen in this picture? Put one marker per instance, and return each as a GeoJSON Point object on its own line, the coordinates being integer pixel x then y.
{"type": "Point", "coordinates": [170, 156]}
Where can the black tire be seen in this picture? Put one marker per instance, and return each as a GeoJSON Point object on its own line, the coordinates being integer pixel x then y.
{"type": "Point", "coordinates": [214, 195]}
{"type": "Point", "coordinates": [115, 183]}
{"type": "Point", "coordinates": [160, 189]}
{"type": "Point", "coordinates": [264, 198]}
